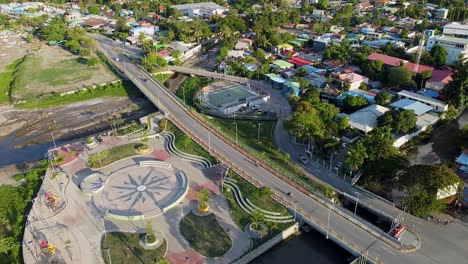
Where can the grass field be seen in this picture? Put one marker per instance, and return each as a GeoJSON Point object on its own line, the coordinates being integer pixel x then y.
{"type": "Point", "coordinates": [162, 77]}
{"type": "Point", "coordinates": [5, 79]}
{"type": "Point", "coordinates": [107, 157]}
{"type": "Point", "coordinates": [125, 248]}
{"type": "Point", "coordinates": [205, 235]}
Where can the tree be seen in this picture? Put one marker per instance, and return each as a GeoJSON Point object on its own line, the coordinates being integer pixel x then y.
{"type": "Point", "coordinates": [301, 72]}
{"type": "Point", "coordinates": [422, 184]}
{"type": "Point", "coordinates": [456, 91]}
{"type": "Point", "coordinates": [265, 191]}
{"type": "Point", "coordinates": [93, 10]}
{"type": "Point", "coordinates": [373, 69]}
{"type": "Point", "coordinates": [186, 140]}
{"type": "Point", "coordinates": [85, 52]}
{"type": "Point", "coordinates": [404, 33]}
{"type": "Point", "coordinates": [400, 121]}
{"type": "Point", "coordinates": [150, 235]}
{"type": "Point", "coordinates": [346, 86]}
{"type": "Point", "coordinates": [342, 122]}
{"type": "Point", "coordinates": [399, 76]}
{"type": "Point", "coordinates": [439, 54]}
{"type": "Point", "coordinates": [92, 61]}
{"type": "Point", "coordinates": [97, 158]}
{"type": "Point", "coordinates": [379, 144]}
{"type": "Point", "coordinates": [56, 30]}
{"type": "Point", "coordinates": [257, 217]}
{"type": "Point", "coordinates": [141, 37]}
{"type": "Point", "coordinates": [311, 95]}
{"type": "Point", "coordinates": [356, 156]}
{"type": "Point", "coordinates": [383, 98]}
{"type": "Point", "coordinates": [354, 103]}
{"type": "Point", "coordinates": [286, 157]}
{"type": "Point", "coordinates": [73, 45]}
{"type": "Point", "coordinates": [203, 198]}
{"type": "Point", "coordinates": [322, 4]}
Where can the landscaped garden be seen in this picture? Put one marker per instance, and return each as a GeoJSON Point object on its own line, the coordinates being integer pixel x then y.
{"type": "Point", "coordinates": [260, 197]}
{"type": "Point", "coordinates": [205, 235]}
{"type": "Point", "coordinates": [125, 248]}
{"type": "Point", "coordinates": [183, 142]}
{"type": "Point", "coordinates": [133, 127]}
{"type": "Point", "coordinates": [107, 157]}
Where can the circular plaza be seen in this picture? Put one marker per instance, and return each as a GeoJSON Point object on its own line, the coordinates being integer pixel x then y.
{"type": "Point", "coordinates": [140, 192]}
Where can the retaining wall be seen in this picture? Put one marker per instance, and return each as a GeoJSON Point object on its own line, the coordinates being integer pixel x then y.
{"type": "Point", "coordinates": [268, 244]}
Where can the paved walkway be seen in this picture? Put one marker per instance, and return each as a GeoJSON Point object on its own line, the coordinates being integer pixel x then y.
{"type": "Point", "coordinates": [76, 227]}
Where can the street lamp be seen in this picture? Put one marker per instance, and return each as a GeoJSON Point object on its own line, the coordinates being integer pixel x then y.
{"type": "Point", "coordinates": [258, 136]}
{"type": "Point", "coordinates": [295, 210]}
{"type": "Point", "coordinates": [108, 254]}
{"type": "Point", "coordinates": [328, 225]}
{"type": "Point", "coordinates": [236, 133]}
{"type": "Point", "coordinates": [357, 201]}
{"type": "Point", "coordinates": [186, 260]}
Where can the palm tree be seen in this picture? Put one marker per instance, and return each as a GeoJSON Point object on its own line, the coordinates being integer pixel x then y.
{"type": "Point", "coordinates": [257, 217]}
{"type": "Point", "coordinates": [203, 198]}
{"type": "Point", "coordinates": [356, 156]}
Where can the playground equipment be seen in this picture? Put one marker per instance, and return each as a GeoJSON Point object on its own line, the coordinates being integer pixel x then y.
{"type": "Point", "coordinates": [50, 200]}
{"type": "Point", "coordinates": [47, 248]}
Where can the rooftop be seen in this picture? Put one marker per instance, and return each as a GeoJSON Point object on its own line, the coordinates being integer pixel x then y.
{"type": "Point", "coordinates": [351, 77]}
{"type": "Point", "coordinates": [443, 76]}
{"type": "Point", "coordinates": [366, 118]}
{"type": "Point", "coordinates": [387, 60]}
{"type": "Point", "coordinates": [456, 25]}
{"type": "Point", "coordinates": [422, 98]}
{"type": "Point", "coordinates": [203, 5]}
{"type": "Point", "coordinates": [408, 104]}
{"type": "Point", "coordinates": [452, 39]}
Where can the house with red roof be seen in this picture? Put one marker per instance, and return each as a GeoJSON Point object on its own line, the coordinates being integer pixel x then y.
{"type": "Point", "coordinates": [439, 79]}
{"type": "Point", "coordinates": [390, 61]}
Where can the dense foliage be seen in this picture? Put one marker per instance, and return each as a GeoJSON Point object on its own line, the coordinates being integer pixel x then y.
{"type": "Point", "coordinates": [15, 202]}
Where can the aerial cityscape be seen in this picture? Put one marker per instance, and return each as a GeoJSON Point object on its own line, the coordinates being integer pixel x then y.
{"type": "Point", "coordinates": [233, 131]}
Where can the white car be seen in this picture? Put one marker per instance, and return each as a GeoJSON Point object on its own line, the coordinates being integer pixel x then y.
{"type": "Point", "coordinates": [255, 107]}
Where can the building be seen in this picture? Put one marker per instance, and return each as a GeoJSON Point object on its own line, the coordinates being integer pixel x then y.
{"type": "Point", "coordinates": [200, 9]}
{"type": "Point", "coordinates": [243, 44]}
{"type": "Point", "coordinates": [437, 105]}
{"type": "Point", "coordinates": [365, 119]}
{"type": "Point", "coordinates": [441, 13]}
{"type": "Point", "coordinates": [454, 39]}
{"type": "Point", "coordinates": [390, 61]}
{"type": "Point", "coordinates": [408, 104]}
{"type": "Point", "coordinates": [439, 79]}
{"type": "Point", "coordinates": [353, 79]}
{"type": "Point", "coordinates": [147, 31]}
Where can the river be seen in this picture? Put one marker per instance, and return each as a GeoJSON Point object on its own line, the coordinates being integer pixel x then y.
{"type": "Point", "coordinates": [311, 247]}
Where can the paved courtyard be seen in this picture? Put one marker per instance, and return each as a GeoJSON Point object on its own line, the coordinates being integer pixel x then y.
{"type": "Point", "coordinates": [76, 224]}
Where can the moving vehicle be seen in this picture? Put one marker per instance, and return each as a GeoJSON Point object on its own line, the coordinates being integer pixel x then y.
{"type": "Point", "coordinates": [303, 159]}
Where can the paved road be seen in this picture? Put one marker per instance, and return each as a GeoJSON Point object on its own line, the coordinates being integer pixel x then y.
{"type": "Point", "coordinates": [357, 235]}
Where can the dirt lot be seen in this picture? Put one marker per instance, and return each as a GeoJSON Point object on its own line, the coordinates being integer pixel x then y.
{"type": "Point", "coordinates": [68, 122]}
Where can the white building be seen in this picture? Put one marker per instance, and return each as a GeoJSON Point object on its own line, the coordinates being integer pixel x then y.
{"type": "Point", "coordinates": [365, 119]}
{"type": "Point", "coordinates": [200, 9]}
{"type": "Point", "coordinates": [454, 39]}
{"type": "Point", "coordinates": [437, 105]}
{"type": "Point", "coordinates": [147, 31]}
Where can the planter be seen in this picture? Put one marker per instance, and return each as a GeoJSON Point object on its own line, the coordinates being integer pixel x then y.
{"type": "Point", "coordinates": [203, 210]}
{"type": "Point", "coordinates": [150, 244]}
{"type": "Point", "coordinates": [257, 234]}
{"type": "Point", "coordinates": [143, 149]}
{"type": "Point", "coordinates": [90, 144]}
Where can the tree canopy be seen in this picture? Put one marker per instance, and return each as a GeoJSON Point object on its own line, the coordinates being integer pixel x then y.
{"type": "Point", "coordinates": [439, 54]}
{"type": "Point", "coordinates": [400, 121]}
{"type": "Point", "coordinates": [399, 76]}
{"type": "Point", "coordinates": [456, 91]}
{"type": "Point", "coordinates": [383, 98]}
{"type": "Point", "coordinates": [354, 103]}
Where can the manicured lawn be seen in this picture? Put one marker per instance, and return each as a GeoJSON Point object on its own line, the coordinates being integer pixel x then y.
{"type": "Point", "coordinates": [107, 157]}
{"type": "Point", "coordinates": [205, 235]}
{"type": "Point", "coordinates": [5, 79]}
{"type": "Point", "coordinates": [125, 248]}
{"type": "Point", "coordinates": [192, 147]}
{"type": "Point", "coordinates": [123, 89]}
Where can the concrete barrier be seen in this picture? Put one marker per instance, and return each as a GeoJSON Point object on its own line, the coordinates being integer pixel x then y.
{"type": "Point", "coordinates": [269, 244]}
{"type": "Point", "coordinates": [155, 163]}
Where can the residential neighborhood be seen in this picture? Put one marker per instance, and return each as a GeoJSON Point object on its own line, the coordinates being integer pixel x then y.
{"type": "Point", "coordinates": [233, 131]}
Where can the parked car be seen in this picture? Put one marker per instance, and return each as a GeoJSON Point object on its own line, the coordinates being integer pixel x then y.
{"type": "Point", "coordinates": [303, 159]}
{"type": "Point", "coordinates": [338, 165]}
{"type": "Point", "coordinates": [255, 107]}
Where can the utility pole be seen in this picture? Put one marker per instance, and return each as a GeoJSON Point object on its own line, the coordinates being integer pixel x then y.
{"type": "Point", "coordinates": [181, 210]}
{"type": "Point", "coordinates": [357, 202]}
{"type": "Point", "coordinates": [295, 210]}
{"type": "Point", "coordinates": [258, 136]}
{"type": "Point", "coordinates": [328, 225]}
{"type": "Point", "coordinates": [209, 143]}
{"type": "Point", "coordinates": [236, 133]}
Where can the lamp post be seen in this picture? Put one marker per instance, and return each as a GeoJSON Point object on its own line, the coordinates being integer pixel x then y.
{"type": "Point", "coordinates": [258, 135]}
{"type": "Point", "coordinates": [236, 133]}
{"type": "Point", "coordinates": [328, 224]}
{"type": "Point", "coordinates": [186, 260]}
{"type": "Point", "coordinates": [108, 254]}
{"type": "Point", "coordinates": [357, 201]}
{"type": "Point", "coordinates": [295, 210]}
